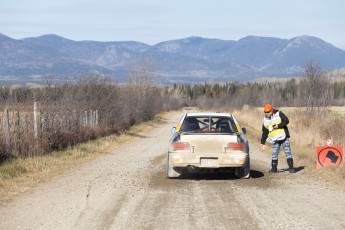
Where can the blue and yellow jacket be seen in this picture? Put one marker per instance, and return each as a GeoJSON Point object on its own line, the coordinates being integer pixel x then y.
{"type": "Point", "coordinates": [279, 118]}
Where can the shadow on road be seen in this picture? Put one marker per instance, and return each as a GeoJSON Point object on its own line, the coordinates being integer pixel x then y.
{"type": "Point", "coordinates": [256, 174]}
{"type": "Point", "coordinates": [217, 175]}
{"type": "Point", "coordinates": [300, 168]}
{"type": "Point", "coordinates": [297, 169]}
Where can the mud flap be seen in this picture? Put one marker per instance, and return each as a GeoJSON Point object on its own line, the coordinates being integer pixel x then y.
{"type": "Point", "coordinates": [171, 171]}
{"type": "Point", "coordinates": [243, 172]}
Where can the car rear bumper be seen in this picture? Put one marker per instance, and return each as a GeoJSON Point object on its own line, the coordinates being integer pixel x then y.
{"type": "Point", "coordinates": [229, 160]}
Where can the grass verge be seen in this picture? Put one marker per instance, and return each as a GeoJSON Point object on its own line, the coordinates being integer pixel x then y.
{"type": "Point", "coordinates": [19, 175]}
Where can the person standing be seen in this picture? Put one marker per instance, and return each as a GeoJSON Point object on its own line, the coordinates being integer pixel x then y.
{"type": "Point", "coordinates": [275, 130]}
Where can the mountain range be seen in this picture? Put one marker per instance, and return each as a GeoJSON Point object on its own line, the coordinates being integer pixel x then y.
{"type": "Point", "coordinates": [192, 59]}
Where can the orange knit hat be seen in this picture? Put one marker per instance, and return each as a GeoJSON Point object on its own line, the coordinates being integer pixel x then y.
{"type": "Point", "coordinates": [268, 108]}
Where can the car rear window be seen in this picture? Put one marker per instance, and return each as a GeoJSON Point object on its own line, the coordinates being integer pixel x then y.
{"type": "Point", "coordinates": [209, 124]}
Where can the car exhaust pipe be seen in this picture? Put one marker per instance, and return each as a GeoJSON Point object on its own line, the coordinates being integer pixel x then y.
{"type": "Point", "coordinates": [191, 168]}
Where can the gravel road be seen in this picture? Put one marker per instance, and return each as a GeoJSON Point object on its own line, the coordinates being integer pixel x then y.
{"type": "Point", "coordinates": [128, 189]}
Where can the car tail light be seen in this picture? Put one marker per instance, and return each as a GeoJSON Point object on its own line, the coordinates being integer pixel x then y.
{"type": "Point", "coordinates": [236, 146]}
{"type": "Point", "coordinates": [180, 146]}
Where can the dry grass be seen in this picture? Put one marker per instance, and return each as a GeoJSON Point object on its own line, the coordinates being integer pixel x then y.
{"type": "Point", "coordinates": [337, 112]}
{"type": "Point", "coordinates": [306, 134]}
{"type": "Point", "coordinates": [19, 175]}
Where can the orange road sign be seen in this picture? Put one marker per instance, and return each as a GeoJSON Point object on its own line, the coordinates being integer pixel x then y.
{"type": "Point", "coordinates": [329, 156]}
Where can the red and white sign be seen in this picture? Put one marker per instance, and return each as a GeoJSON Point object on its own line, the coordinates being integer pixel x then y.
{"type": "Point", "coordinates": [329, 142]}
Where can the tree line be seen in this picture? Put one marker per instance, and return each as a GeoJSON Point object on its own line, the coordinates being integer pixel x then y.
{"type": "Point", "coordinates": [314, 91]}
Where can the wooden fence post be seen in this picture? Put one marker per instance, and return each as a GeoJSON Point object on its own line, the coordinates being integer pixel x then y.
{"type": "Point", "coordinates": [26, 134]}
{"type": "Point", "coordinates": [8, 136]}
{"type": "Point", "coordinates": [17, 134]}
{"type": "Point", "coordinates": [96, 117]}
{"type": "Point", "coordinates": [91, 120]}
{"type": "Point", "coordinates": [35, 120]}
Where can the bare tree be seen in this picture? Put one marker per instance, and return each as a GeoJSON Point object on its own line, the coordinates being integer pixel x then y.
{"type": "Point", "coordinates": [315, 87]}
{"type": "Point", "coordinates": [142, 73]}
{"type": "Point", "coordinates": [143, 80]}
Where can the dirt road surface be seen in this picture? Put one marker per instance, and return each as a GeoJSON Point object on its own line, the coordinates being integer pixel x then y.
{"type": "Point", "coordinates": [128, 189]}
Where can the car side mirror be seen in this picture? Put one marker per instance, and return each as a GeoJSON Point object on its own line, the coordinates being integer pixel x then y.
{"type": "Point", "coordinates": [173, 130]}
{"type": "Point", "coordinates": [244, 130]}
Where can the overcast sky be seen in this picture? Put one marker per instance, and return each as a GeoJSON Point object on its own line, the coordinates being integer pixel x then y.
{"type": "Point", "coordinates": [154, 21]}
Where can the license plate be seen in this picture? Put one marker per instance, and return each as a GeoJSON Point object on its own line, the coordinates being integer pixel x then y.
{"type": "Point", "coordinates": [209, 163]}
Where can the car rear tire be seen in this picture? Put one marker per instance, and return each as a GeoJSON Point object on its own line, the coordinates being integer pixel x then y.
{"type": "Point", "coordinates": [171, 171]}
{"type": "Point", "coordinates": [243, 172]}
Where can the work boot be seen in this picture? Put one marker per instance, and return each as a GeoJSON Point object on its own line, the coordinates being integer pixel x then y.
{"type": "Point", "coordinates": [274, 166]}
{"type": "Point", "coordinates": [290, 163]}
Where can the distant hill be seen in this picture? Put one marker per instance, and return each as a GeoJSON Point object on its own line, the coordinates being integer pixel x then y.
{"type": "Point", "coordinates": [192, 59]}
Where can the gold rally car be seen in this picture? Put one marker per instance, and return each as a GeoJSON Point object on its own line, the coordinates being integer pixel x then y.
{"type": "Point", "coordinates": [208, 141]}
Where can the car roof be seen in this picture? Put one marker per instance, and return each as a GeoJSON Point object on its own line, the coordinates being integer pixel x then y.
{"type": "Point", "coordinates": [211, 114]}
